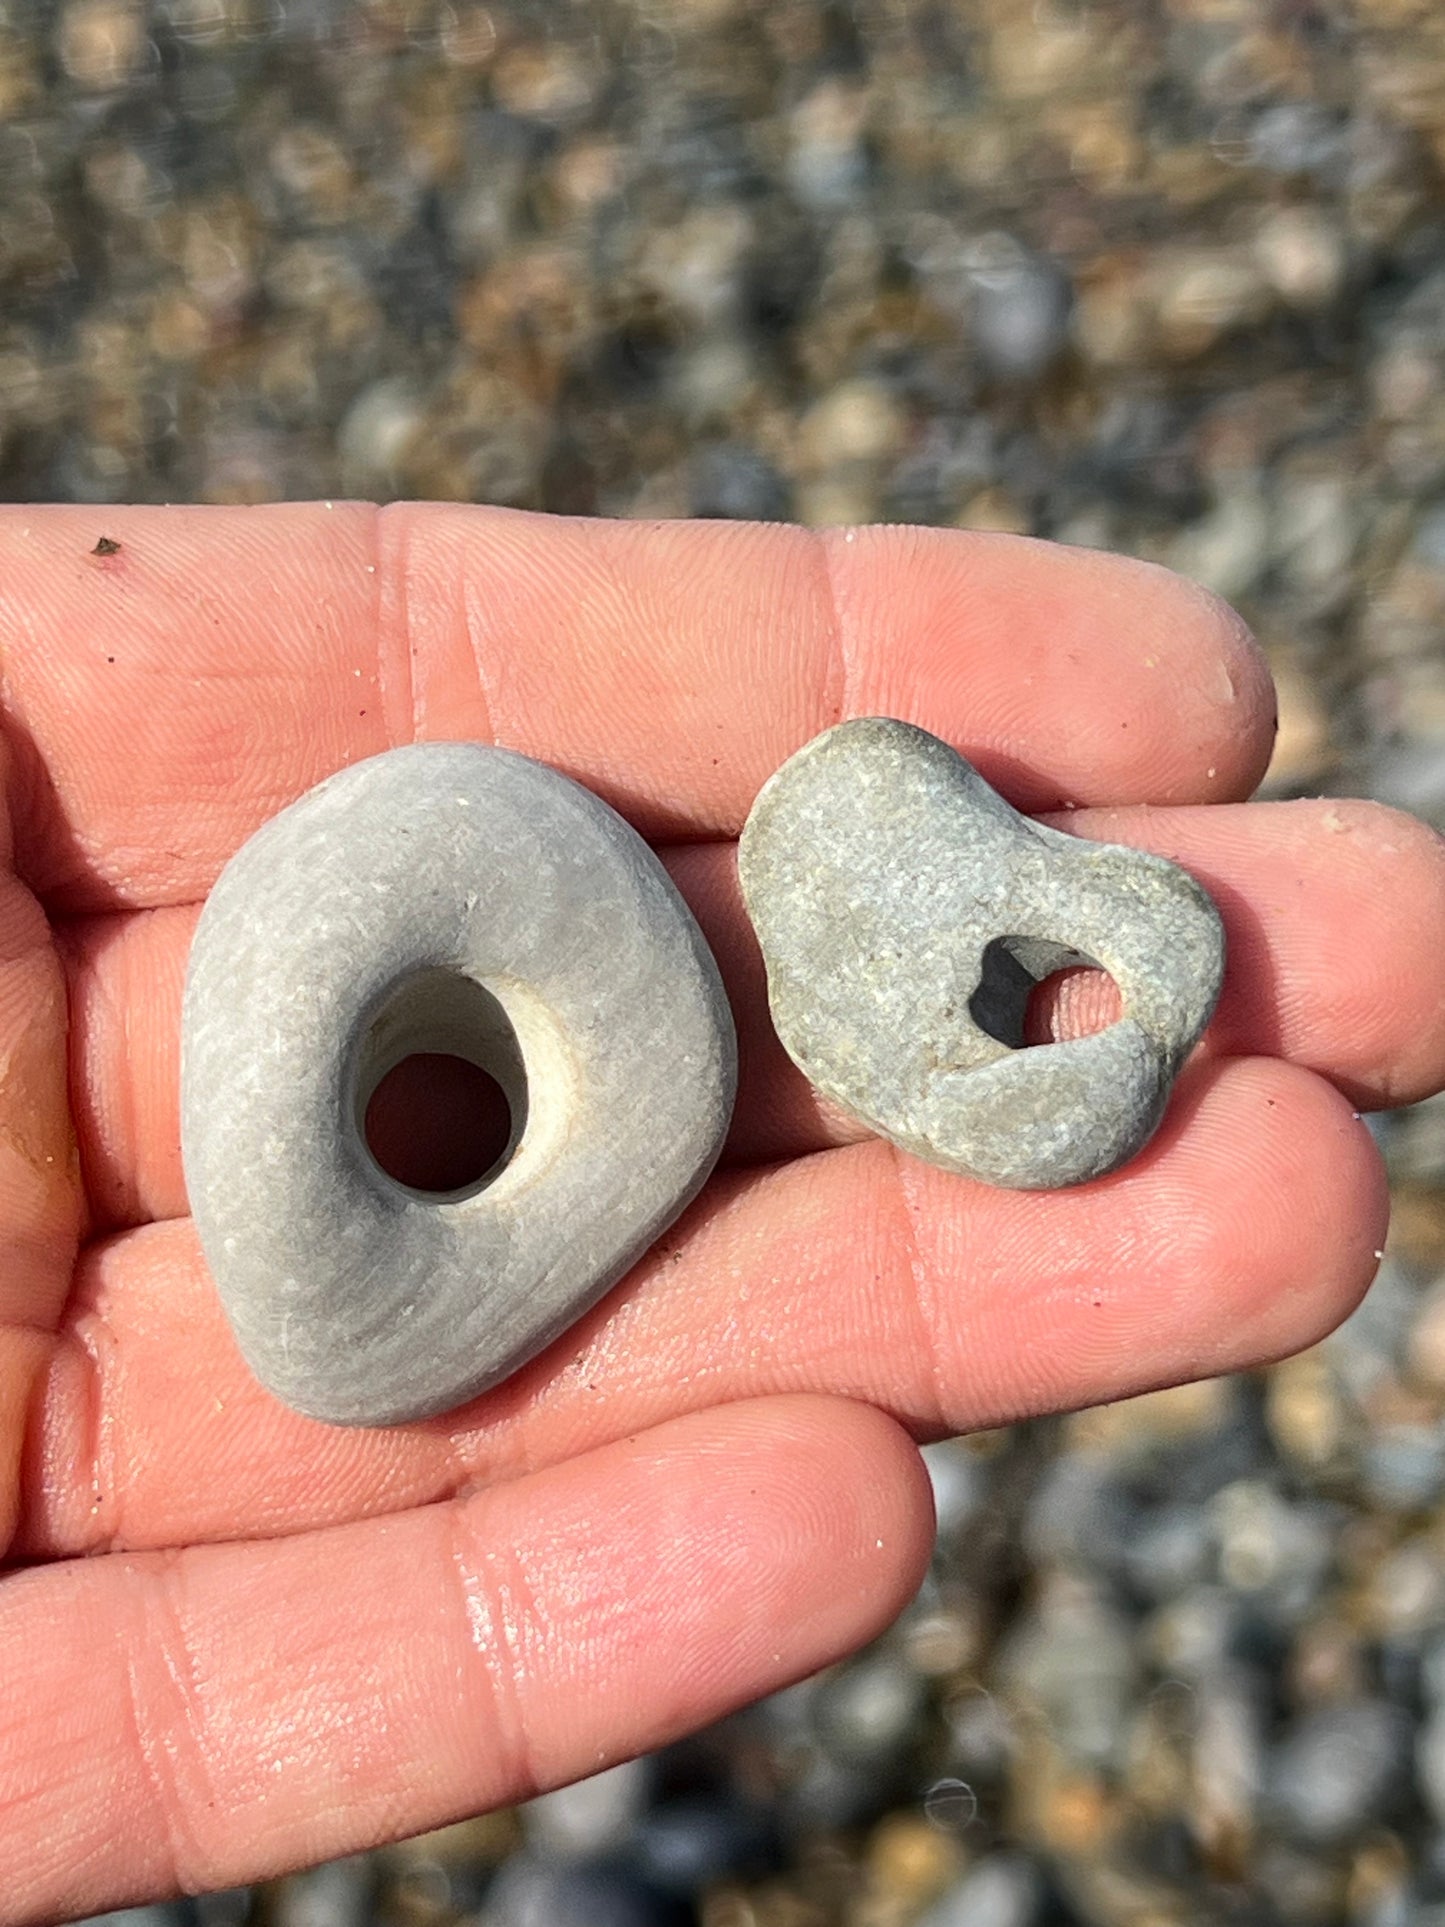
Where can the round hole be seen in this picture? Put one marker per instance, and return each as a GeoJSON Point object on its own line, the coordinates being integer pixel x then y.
{"type": "Point", "coordinates": [1077, 1002]}
{"type": "Point", "coordinates": [438, 1123]}
{"type": "Point", "coordinates": [439, 1085]}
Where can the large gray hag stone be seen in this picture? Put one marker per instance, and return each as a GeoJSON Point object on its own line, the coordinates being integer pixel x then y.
{"type": "Point", "coordinates": [443, 897]}
{"type": "Point", "coordinates": [905, 911]}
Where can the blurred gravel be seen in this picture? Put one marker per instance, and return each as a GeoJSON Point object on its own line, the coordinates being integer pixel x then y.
{"type": "Point", "coordinates": [1166, 276]}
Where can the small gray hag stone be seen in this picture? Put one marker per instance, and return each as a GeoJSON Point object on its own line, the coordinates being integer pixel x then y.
{"type": "Point", "coordinates": [905, 912]}
{"type": "Point", "coordinates": [443, 897]}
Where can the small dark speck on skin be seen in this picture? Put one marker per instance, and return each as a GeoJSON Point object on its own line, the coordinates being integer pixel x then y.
{"type": "Point", "coordinates": [106, 546]}
{"type": "Point", "coordinates": [110, 658]}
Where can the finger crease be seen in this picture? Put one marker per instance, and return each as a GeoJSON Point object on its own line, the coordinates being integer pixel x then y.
{"type": "Point", "coordinates": [394, 644]}
{"type": "Point", "coordinates": [475, 631]}
{"type": "Point", "coordinates": [838, 696]}
{"type": "Point", "coordinates": [94, 1342]}
{"type": "Point", "coordinates": [160, 1632]}
{"type": "Point", "coordinates": [503, 1624]}
{"type": "Point", "coordinates": [923, 1295]}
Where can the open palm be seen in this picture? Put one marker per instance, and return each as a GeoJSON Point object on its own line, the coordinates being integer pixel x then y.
{"type": "Point", "coordinates": [296, 1640]}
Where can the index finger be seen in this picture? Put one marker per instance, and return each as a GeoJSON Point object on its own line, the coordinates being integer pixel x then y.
{"type": "Point", "coordinates": [173, 676]}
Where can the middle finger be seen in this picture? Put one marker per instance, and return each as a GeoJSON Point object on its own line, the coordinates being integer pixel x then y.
{"type": "Point", "coordinates": [1335, 913]}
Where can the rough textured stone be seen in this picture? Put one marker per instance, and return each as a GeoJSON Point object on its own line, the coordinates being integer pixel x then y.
{"type": "Point", "coordinates": [443, 897]}
{"type": "Point", "coordinates": [905, 912]}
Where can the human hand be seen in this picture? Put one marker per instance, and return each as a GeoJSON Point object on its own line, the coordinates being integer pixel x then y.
{"type": "Point", "coordinates": [296, 1641]}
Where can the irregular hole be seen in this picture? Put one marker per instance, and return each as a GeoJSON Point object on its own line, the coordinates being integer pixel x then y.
{"type": "Point", "coordinates": [440, 1085]}
{"type": "Point", "coordinates": [1033, 991]}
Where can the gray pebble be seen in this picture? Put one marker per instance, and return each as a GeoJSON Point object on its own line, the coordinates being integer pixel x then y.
{"type": "Point", "coordinates": [168, 1913]}
{"type": "Point", "coordinates": [529, 1893]}
{"type": "Point", "coordinates": [1168, 1551]}
{"type": "Point", "coordinates": [1403, 1466]}
{"type": "Point", "coordinates": [983, 1736]}
{"type": "Point", "coordinates": [689, 1844]}
{"type": "Point", "coordinates": [339, 1894]}
{"type": "Point", "coordinates": [960, 1485]}
{"type": "Point", "coordinates": [591, 1816]}
{"type": "Point", "coordinates": [1410, 775]}
{"type": "Point", "coordinates": [828, 1793]}
{"type": "Point", "coordinates": [1414, 1145]}
{"type": "Point", "coordinates": [1430, 1762]}
{"type": "Point", "coordinates": [733, 481]}
{"type": "Point", "coordinates": [1193, 1637]}
{"type": "Point", "coordinates": [228, 1907]}
{"type": "Point", "coordinates": [1005, 1890]}
{"type": "Point", "coordinates": [1339, 1767]}
{"type": "Point", "coordinates": [441, 898]}
{"type": "Point", "coordinates": [1368, 1349]}
{"type": "Point", "coordinates": [1274, 1550]}
{"type": "Point", "coordinates": [1072, 1662]}
{"type": "Point", "coordinates": [1226, 1750]}
{"type": "Point", "coordinates": [905, 912]}
{"type": "Point", "coordinates": [1020, 308]}
{"type": "Point", "coordinates": [1078, 1515]}
{"type": "Point", "coordinates": [869, 1708]}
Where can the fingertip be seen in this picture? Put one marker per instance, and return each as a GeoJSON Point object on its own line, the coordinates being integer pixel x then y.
{"type": "Point", "coordinates": [1211, 668]}
{"type": "Point", "coordinates": [833, 1503]}
{"type": "Point", "coordinates": [1392, 1009]}
{"type": "Point", "coordinates": [865, 1469]}
{"type": "Point", "coordinates": [1304, 1233]}
{"type": "Point", "coordinates": [1068, 675]}
{"type": "Point", "coordinates": [1233, 666]}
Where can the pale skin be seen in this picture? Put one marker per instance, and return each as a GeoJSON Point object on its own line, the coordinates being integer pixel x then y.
{"type": "Point", "coordinates": [237, 1641]}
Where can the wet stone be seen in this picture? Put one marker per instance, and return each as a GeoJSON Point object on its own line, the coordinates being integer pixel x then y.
{"type": "Point", "coordinates": [905, 913]}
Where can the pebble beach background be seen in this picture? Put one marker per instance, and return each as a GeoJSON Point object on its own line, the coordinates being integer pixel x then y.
{"type": "Point", "coordinates": [1162, 276]}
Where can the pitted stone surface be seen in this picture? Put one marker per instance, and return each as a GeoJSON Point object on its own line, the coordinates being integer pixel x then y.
{"type": "Point", "coordinates": [905, 911]}
{"type": "Point", "coordinates": [441, 897]}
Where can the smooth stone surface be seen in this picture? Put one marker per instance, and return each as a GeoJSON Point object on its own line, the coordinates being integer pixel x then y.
{"type": "Point", "coordinates": [905, 912]}
{"type": "Point", "coordinates": [443, 897]}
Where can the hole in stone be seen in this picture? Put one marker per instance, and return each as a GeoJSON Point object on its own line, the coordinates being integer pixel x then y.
{"type": "Point", "coordinates": [1033, 991]}
{"type": "Point", "coordinates": [1077, 1002]}
{"type": "Point", "coordinates": [440, 1085]}
{"type": "Point", "coordinates": [437, 1123]}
